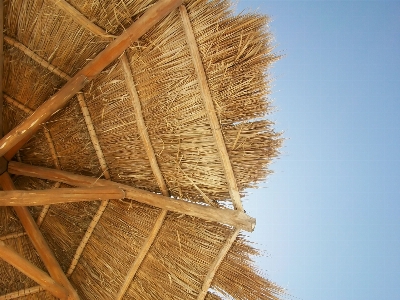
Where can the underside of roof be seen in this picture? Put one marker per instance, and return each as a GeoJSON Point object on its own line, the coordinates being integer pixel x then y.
{"type": "Point", "coordinates": [174, 130]}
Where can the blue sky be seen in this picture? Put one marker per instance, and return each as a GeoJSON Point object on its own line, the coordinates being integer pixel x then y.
{"type": "Point", "coordinates": [329, 217]}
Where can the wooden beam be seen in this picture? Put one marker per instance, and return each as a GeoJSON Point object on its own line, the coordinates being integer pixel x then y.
{"type": "Point", "coordinates": [28, 52]}
{"type": "Point", "coordinates": [12, 236]}
{"type": "Point", "coordinates": [142, 129]}
{"type": "Point", "coordinates": [56, 196]}
{"type": "Point", "coordinates": [38, 240]}
{"type": "Point", "coordinates": [81, 19]}
{"type": "Point", "coordinates": [23, 292]}
{"type": "Point", "coordinates": [33, 272]}
{"type": "Point", "coordinates": [226, 216]}
{"type": "Point", "coordinates": [21, 133]}
{"type": "Point", "coordinates": [142, 254]}
{"type": "Point", "coordinates": [209, 106]}
{"type": "Point", "coordinates": [215, 265]}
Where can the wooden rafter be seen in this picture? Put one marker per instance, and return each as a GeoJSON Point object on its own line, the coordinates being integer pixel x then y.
{"type": "Point", "coordinates": [156, 171]}
{"type": "Point", "coordinates": [56, 196]}
{"type": "Point", "coordinates": [226, 216]}
{"type": "Point", "coordinates": [38, 240]}
{"type": "Point", "coordinates": [23, 292]}
{"type": "Point", "coordinates": [209, 105]}
{"type": "Point", "coordinates": [218, 136]}
{"type": "Point", "coordinates": [215, 265]}
{"type": "Point", "coordinates": [13, 258]}
{"type": "Point", "coordinates": [28, 52]}
{"type": "Point", "coordinates": [52, 149]}
{"type": "Point", "coordinates": [18, 136]}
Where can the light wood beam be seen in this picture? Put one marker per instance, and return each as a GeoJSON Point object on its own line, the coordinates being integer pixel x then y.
{"type": "Point", "coordinates": [28, 52]}
{"type": "Point", "coordinates": [13, 140]}
{"type": "Point", "coordinates": [23, 292]}
{"type": "Point", "coordinates": [215, 265]}
{"type": "Point", "coordinates": [142, 129]}
{"type": "Point", "coordinates": [12, 236]}
{"type": "Point", "coordinates": [23, 265]}
{"type": "Point", "coordinates": [81, 19]}
{"type": "Point", "coordinates": [226, 216]}
{"type": "Point", "coordinates": [209, 106]}
{"type": "Point", "coordinates": [56, 196]}
{"type": "Point", "coordinates": [38, 240]}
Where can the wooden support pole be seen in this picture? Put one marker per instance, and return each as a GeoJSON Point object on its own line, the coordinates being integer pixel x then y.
{"type": "Point", "coordinates": [38, 240]}
{"type": "Point", "coordinates": [215, 265]}
{"type": "Point", "coordinates": [33, 272]}
{"type": "Point", "coordinates": [209, 105]}
{"type": "Point", "coordinates": [23, 292]}
{"type": "Point", "coordinates": [21, 134]}
{"type": "Point", "coordinates": [226, 216]}
{"type": "Point", "coordinates": [56, 196]}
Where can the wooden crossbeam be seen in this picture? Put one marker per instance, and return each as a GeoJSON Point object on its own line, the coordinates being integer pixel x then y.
{"type": "Point", "coordinates": [215, 265]}
{"type": "Point", "coordinates": [38, 240]}
{"type": "Point", "coordinates": [226, 216]}
{"type": "Point", "coordinates": [15, 139]}
{"type": "Point", "coordinates": [209, 105]}
{"type": "Point", "coordinates": [56, 196]}
{"type": "Point", "coordinates": [23, 265]}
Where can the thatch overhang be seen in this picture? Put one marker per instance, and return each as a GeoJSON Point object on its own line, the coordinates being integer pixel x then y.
{"type": "Point", "coordinates": [133, 129]}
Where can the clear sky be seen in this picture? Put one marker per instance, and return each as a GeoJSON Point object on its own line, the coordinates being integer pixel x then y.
{"type": "Point", "coordinates": [329, 217]}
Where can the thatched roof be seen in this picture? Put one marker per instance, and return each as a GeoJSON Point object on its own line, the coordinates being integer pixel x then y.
{"type": "Point", "coordinates": [175, 127]}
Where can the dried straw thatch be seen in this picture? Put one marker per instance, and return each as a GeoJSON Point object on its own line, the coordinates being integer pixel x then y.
{"type": "Point", "coordinates": [148, 121]}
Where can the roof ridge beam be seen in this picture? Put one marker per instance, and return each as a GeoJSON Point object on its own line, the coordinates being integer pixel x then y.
{"type": "Point", "coordinates": [226, 216]}
{"type": "Point", "coordinates": [210, 109]}
{"type": "Point", "coordinates": [18, 136]}
{"type": "Point", "coordinates": [23, 265]}
{"type": "Point", "coordinates": [215, 265]}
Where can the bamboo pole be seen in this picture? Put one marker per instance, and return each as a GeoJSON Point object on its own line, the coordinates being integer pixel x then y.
{"type": "Point", "coordinates": [209, 106]}
{"type": "Point", "coordinates": [38, 240]}
{"type": "Point", "coordinates": [12, 236]}
{"type": "Point", "coordinates": [33, 272]}
{"type": "Point", "coordinates": [234, 218]}
{"type": "Point", "coordinates": [144, 135]}
{"type": "Point", "coordinates": [13, 140]}
{"type": "Point", "coordinates": [56, 196]}
{"type": "Point", "coordinates": [23, 292]}
{"type": "Point", "coordinates": [28, 52]}
{"type": "Point", "coordinates": [215, 265]}
{"type": "Point", "coordinates": [81, 19]}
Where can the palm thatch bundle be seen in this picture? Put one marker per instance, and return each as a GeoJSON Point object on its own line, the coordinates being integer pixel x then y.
{"type": "Point", "coordinates": [180, 114]}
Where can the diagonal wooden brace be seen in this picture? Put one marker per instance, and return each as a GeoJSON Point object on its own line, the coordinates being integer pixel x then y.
{"type": "Point", "coordinates": [23, 265]}
{"type": "Point", "coordinates": [18, 136]}
{"type": "Point", "coordinates": [38, 240]}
